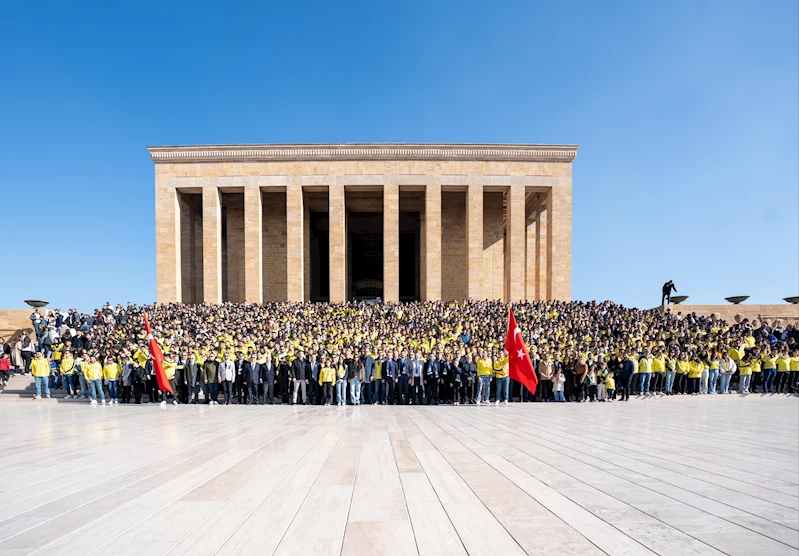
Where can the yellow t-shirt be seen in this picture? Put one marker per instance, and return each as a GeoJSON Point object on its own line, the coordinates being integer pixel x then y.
{"type": "Point", "coordinates": [378, 369]}
{"type": "Point", "coordinates": [769, 361]}
{"type": "Point", "coordinates": [783, 363]}
{"type": "Point", "coordinates": [326, 374]}
{"type": "Point", "coordinates": [484, 367]}
{"type": "Point", "coordinates": [644, 365]}
{"type": "Point", "coordinates": [67, 366]}
{"type": "Point", "coordinates": [111, 371]}
{"type": "Point", "coordinates": [658, 364]}
{"type": "Point", "coordinates": [501, 367]}
{"type": "Point", "coordinates": [610, 383]}
{"type": "Point", "coordinates": [794, 363]}
{"type": "Point", "coordinates": [92, 371]}
{"type": "Point", "coordinates": [695, 369]}
{"type": "Point", "coordinates": [744, 369]}
{"type": "Point", "coordinates": [40, 367]}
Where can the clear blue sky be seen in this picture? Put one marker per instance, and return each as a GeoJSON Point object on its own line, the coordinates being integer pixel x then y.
{"type": "Point", "coordinates": [685, 113]}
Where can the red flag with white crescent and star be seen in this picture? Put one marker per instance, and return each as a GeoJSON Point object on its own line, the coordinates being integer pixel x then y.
{"type": "Point", "coordinates": [520, 366]}
{"type": "Point", "coordinates": [158, 359]}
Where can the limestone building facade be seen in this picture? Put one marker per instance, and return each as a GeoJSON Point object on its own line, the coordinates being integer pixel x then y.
{"type": "Point", "coordinates": [400, 222]}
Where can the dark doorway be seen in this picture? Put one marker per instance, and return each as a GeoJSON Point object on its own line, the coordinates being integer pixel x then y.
{"type": "Point", "coordinates": [320, 256]}
{"type": "Point", "coordinates": [365, 254]}
{"type": "Point", "coordinates": [409, 250]}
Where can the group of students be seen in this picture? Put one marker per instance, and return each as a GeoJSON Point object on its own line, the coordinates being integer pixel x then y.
{"type": "Point", "coordinates": [390, 353]}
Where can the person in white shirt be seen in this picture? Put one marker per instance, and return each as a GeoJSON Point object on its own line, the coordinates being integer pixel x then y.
{"type": "Point", "coordinates": [727, 368]}
{"type": "Point", "coordinates": [557, 386]}
{"type": "Point", "coordinates": [227, 373]}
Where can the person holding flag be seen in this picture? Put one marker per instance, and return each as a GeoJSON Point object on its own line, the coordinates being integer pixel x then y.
{"type": "Point", "coordinates": [520, 367]}
{"type": "Point", "coordinates": [157, 360]}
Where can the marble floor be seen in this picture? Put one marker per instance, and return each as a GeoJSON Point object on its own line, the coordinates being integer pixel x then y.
{"type": "Point", "coordinates": [682, 476]}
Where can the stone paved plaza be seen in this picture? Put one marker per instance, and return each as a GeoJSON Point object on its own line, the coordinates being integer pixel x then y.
{"type": "Point", "coordinates": [680, 476]}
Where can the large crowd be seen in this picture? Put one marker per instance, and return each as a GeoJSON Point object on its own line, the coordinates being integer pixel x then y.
{"type": "Point", "coordinates": [387, 353]}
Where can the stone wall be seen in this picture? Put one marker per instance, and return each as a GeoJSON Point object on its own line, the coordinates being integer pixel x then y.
{"type": "Point", "coordinates": [773, 314]}
{"type": "Point", "coordinates": [493, 246]}
{"type": "Point", "coordinates": [274, 250]}
{"type": "Point", "coordinates": [454, 252]}
{"type": "Point", "coordinates": [12, 320]}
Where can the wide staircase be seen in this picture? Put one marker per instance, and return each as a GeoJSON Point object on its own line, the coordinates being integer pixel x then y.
{"type": "Point", "coordinates": [22, 388]}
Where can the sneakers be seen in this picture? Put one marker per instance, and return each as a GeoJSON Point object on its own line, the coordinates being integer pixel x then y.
{"type": "Point", "coordinates": [48, 396]}
{"type": "Point", "coordinates": [456, 403]}
{"type": "Point", "coordinates": [505, 402]}
{"type": "Point", "coordinates": [93, 402]}
{"type": "Point", "coordinates": [174, 402]}
{"type": "Point", "coordinates": [163, 402]}
{"type": "Point", "coordinates": [477, 402]}
{"type": "Point", "coordinates": [67, 397]}
{"type": "Point", "coordinates": [37, 397]}
{"type": "Point", "coordinates": [104, 402]}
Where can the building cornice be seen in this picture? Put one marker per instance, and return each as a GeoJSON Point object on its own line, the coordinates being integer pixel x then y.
{"type": "Point", "coordinates": [362, 151]}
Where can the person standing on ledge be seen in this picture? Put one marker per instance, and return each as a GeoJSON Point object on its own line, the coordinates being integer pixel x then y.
{"type": "Point", "coordinates": [668, 287]}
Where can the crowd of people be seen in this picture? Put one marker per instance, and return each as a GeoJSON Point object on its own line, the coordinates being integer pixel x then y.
{"type": "Point", "coordinates": [388, 353]}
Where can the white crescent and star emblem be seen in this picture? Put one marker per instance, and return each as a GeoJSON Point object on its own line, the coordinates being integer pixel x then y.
{"type": "Point", "coordinates": [520, 353]}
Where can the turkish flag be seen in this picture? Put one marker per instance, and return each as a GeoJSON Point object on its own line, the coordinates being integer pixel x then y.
{"type": "Point", "coordinates": [519, 363]}
{"type": "Point", "coordinates": [158, 359]}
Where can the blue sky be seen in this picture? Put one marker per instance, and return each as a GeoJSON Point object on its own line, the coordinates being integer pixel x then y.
{"type": "Point", "coordinates": [686, 115]}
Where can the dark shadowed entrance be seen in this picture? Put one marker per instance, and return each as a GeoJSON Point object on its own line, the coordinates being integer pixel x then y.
{"type": "Point", "coordinates": [365, 257]}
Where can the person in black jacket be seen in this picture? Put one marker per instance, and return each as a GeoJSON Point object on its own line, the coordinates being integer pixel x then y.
{"type": "Point", "coordinates": [193, 378]}
{"type": "Point", "coordinates": [430, 377]}
{"type": "Point", "coordinates": [298, 378]}
{"type": "Point", "coordinates": [239, 386]}
{"type": "Point", "coordinates": [138, 376]}
{"type": "Point", "coordinates": [268, 370]}
{"type": "Point", "coordinates": [468, 379]}
{"type": "Point", "coordinates": [627, 374]}
{"type": "Point", "coordinates": [283, 372]}
{"type": "Point", "coordinates": [252, 380]}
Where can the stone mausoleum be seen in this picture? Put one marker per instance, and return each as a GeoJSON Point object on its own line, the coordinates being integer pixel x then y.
{"type": "Point", "coordinates": [399, 222]}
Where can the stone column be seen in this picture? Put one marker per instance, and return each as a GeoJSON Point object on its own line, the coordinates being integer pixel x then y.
{"type": "Point", "coordinates": [474, 241]}
{"type": "Point", "coordinates": [212, 245]}
{"type": "Point", "coordinates": [541, 258]}
{"type": "Point", "coordinates": [253, 245]}
{"type": "Point", "coordinates": [516, 242]}
{"type": "Point", "coordinates": [295, 250]}
{"type": "Point", "coordinates": [167, 244]}
{"type": "Point", "coordinates": [337, 216]}
{"type": "Point", "coordinates": [532, 270]}
{"type": "Point", "coordinates": [559, 247]}
{"type": "Point", "coordinates": [432, 240]}
{"type": "Point", "coordinates": [391, 242]}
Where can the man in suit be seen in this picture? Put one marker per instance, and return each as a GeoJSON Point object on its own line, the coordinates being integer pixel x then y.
{"type": "Point", "coordinates": [418, 387]}
{"type": "Point", "coordinates": [269, 380]}
{"type": "Point", "coordinates": [252, 380]}
{"type": "Point", "coordinates": [192, 373]}
{"type": "Point", "coordinates": [239, 386]}
{"type": "Point", "coordinates": [405, 378]}
{"type": "Point", "coordinates": [312, 378]}
{"type": "Point", "coordinates": [430, 374]}
{"type": "Point", "coordinates": [298, 379]}
{"type": "Point", "coordinates": [390, 375]}
{"type": "Point", "coordinates": [368, 375]}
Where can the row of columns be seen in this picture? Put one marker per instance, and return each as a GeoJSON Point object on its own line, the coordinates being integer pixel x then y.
{"type": "Point", "coordinates": [529, 273]}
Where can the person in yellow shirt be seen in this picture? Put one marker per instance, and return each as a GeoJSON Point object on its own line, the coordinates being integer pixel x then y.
{"type": "Point", "coordinates": [111, 372]}
{"type": "Point", "coordinates": [485, 367]}
{"type": "Point", "coordinates": [40, 369]}
{"type": "Point", "coordinates": [695, 367]}
{"type": "Point", "coordinates": [793, 381]}
{"type": "Point", "coordinates": [67, 370]}
{"type": "Point", "coordinates": [783, 371]}
{"type": "Point", "coordinates": [658, 372]}
{"type": "Point", "coordinates": [757, 367]}
{"type": "Point", "coordinates": [501, 374]}
{"type": "Point", "coordinates": [769, 366]}
{"type": "Point", "coordinates": [610, 384]}
{"type": "Point", "coordinates": [170, 367]}
{"type": "Point", "coordinates": [93, 372]}
{"type": "Point", "coordinates": [327, 375]}
{"type": "Point", "coordinates": [744, 373]}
